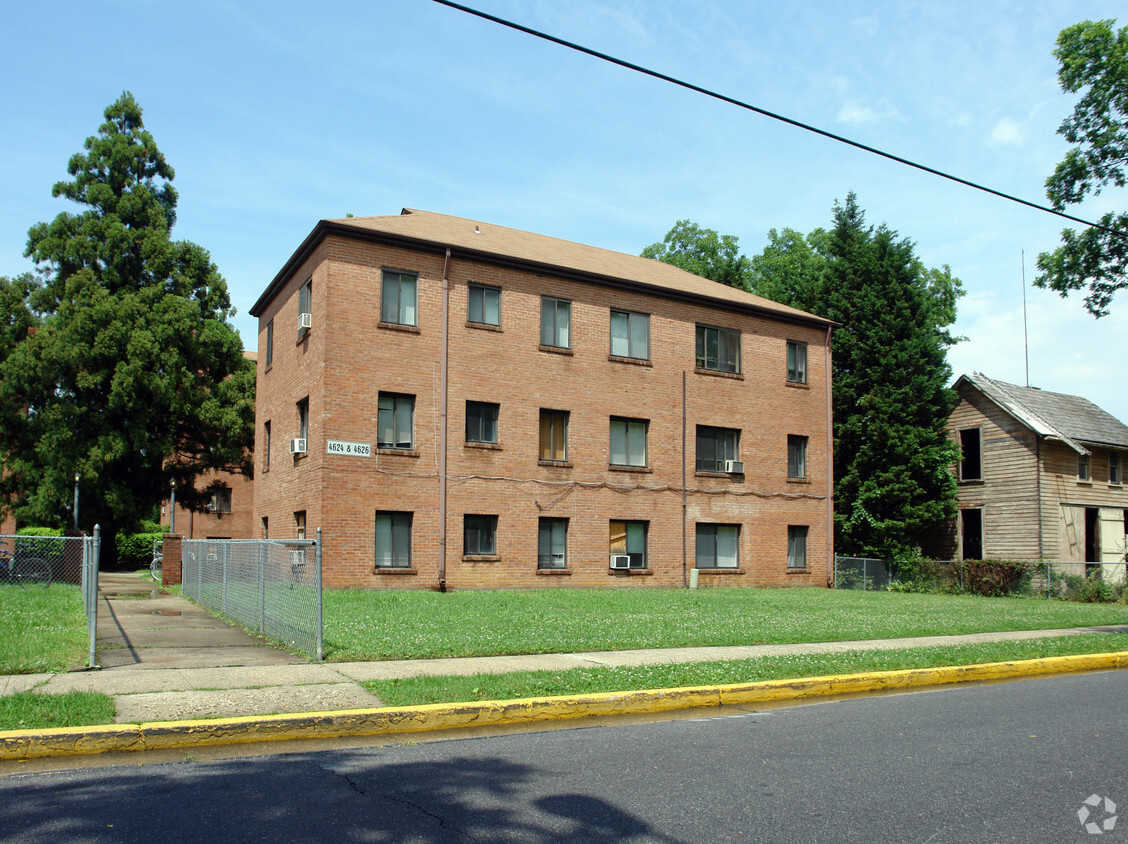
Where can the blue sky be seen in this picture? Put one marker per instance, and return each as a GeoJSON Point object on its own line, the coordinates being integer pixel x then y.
{"type": "Point", "coordinates": [276, 115]}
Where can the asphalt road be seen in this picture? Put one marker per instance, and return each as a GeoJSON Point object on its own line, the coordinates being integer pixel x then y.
{"type": "Point", "coordinates": [995, 763]}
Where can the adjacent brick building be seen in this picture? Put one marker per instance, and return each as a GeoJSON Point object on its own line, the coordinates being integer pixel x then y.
{"type": "Point", "coordinates": [1041, 476]}
{"type": "Point", "coordinates": [548, 398]}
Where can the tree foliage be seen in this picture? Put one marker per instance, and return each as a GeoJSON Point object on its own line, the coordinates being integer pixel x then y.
{"type": "Point", "coordinates": [702, 252]}
{"type": "Point", "coordinates": [1093, 60]}
{"type": "Point", "coordinates": [130, 375]}
{"type": "Point", "coordinates": [893, 490]}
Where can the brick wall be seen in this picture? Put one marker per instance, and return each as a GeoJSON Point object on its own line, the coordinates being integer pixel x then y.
{"type": "Point", "coordinates": [348, 357]}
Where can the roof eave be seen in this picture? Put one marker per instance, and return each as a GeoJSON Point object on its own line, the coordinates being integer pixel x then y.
{"type": "Point", "coordinates": [324, 228]}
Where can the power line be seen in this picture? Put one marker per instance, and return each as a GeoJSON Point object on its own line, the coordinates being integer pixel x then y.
{"type": "Point", "coordinates": [764, 112]}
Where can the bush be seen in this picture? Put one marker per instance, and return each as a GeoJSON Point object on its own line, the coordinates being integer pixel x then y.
{"type": "Point", "coordinates": [39, 531]}
{"type": "Point", "coordinates": [994, 578]}
{"type": "Point", "coordinates": [135, 550]}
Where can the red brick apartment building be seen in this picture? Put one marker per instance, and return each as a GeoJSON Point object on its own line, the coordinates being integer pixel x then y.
{"type": "Point", "coordinates": [459, 405]}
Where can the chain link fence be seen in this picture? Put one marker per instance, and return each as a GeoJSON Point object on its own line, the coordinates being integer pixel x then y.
{"type": "Point", "coordinates": [1084, 582]}
{"type": "Point", "coordinates": [864, 573]}
{"type": "Point", "coordinates": [38, 562]}
{"type": "Point", "coordinates": [269, 586]}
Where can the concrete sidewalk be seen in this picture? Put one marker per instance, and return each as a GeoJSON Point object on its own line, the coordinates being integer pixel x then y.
{"type": "Point", "coordinates": [166, 659]}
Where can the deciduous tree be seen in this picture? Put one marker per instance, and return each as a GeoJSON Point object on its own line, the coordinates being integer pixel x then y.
{"type": "Point", "coordinates": [702, 252]}
{"type": "Point", "coordinates": [1093, 58]}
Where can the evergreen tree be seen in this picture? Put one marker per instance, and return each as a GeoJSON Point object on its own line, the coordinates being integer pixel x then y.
{"type": "Point", "coordinates": [891, 456]}
{"type": "Point", "coordinates": [132, 375]}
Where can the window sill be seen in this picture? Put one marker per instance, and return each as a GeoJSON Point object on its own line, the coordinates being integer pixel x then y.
{"type": "Point", "coordinates": [716, 373]}
{"type": "Point", "coordinates": [398, 452]}
{"type": "Point", "coordinates": [554, 572]}
{"type": "Point", "coordinates": [268, 367]}
{"type": "Point", "coordinates": [555, 350]}
{"type": "Point", "coordinates": [394, 570]}
{"type": "Point", "coordinates": [638, 470]}
{"type": "Point", "coordinates": [716, 570]}
{"type": "Point", "coordinates": [397, 326]}
{"type": "Point", "coordinates": [555, 464]}
{"type": "Point", "coordinates": [630, 572]}
{"type": "Point", "coordinates": [302, 337]}
{"type": "Point", "coordinates": [1112, 485]}
{"type": "Point", "coordinates": [803, 570]}
{"type": "Point", "coordinates": [1084, 483]}
{"type": "Point", "coordinates": [481, 558]}
{"type": "Point", "coordinates": [799, 480]}
{"type": "Point", "coordinates": [484, 326]}
{"type": "Point", "coordinates": [632, 361]}
{"type": "Point", "coordinates": [704, 473]}
{"type": "Point", "coordinates": [483, 446]}
{"type": "Point", "coordinates": [799, 385]}
{"type": "Point", "coordinates": [972, 482]}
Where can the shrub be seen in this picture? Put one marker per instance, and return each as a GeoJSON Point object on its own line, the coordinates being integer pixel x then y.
{"type": "Point", "coordinates": [135, 550]}
{"type": "Point", "coordinates": [39, 531]}
{"type": "Point", "coordinates": [994, 578]}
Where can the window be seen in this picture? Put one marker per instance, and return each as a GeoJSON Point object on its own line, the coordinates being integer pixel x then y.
{"type": "Point", "coordinates": [266, 446]}
{"type": "Point", "coordinates": [394, 421]}
{"type": "Point", "coordinates": [556, 322]}
{"type": "Point", "coordinates": [1083, 467]}
{"type": "Point", "coordinates": [303, 418]}
{"type": "Point", "coordinates": [481, 422]}
{"type": "Point", "coordinates": [300, 524]}
{"type": "Point", "coordinates": [797, 546]}
{"type": "Point", "coordinates": [971, 449]}
{"type": "Point", "coordinates": [629, 538]}
{"type": "Point", "coordinates": [554, 435]}
{"type": "Point", "coordinates": [393, 540]}
{"type": "Point", "coordinates": [270, 343]}
{"type": "Point", "coordinates": [715, 446]}
{"type": "Point", "coordinates": [305, 298]}
{"type": "Point", "coordinates": [484, 306]}
{"type": "Point", "coordinates": [971, 527]}
{"type": "Point", "coordinates": [718, 349]}
{"type": "Point", "coordinates": [718, 546]}
{"type": "Point", "coordinates": [479, 536]}
{"type": "Point", "coordinates": [1114, 467]}
{"type": "Point", "coordinates": [630, 335]}
{"type": "Point", "coordinates": [796, 362]}
{"type": "Point", "coordinates": [397, 297]}
{"type": "Point", "coordinates": [552, 544]}
{"type": "Point", "coordinates": [220, 500]}
{"type": "Point", "coordinates": [265, 527]}
{"type": "Point", "coordinates": [796, 457]}
{"type": "Point", "coordinates": [628, 442]}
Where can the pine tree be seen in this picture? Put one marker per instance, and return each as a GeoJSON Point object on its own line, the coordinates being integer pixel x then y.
{"type": "Point", "coordinates": [131, 375]}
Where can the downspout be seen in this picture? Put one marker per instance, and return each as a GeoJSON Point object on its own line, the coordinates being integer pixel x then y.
{"type": "Point", "coordinates": [443, 423]}
{"type": "Point", "coordinates": [829, 468]}
{"type": "Point", "coordinates": [685, 581]}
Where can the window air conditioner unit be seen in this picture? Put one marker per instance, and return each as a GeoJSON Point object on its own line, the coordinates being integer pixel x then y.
{"type": "Point", "coordinates": [298, 445]}
{"type": "Point", "coordinates": [734, 467]}
{"type": "Point", "coordinates": [620, 561]}
{"type": "Point", "coordinates": [211, 507]}
{"type": "Point", "coordinates": [305, 322]}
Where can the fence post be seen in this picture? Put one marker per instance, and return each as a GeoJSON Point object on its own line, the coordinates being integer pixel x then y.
{"type": "Point", "coordinates": [317, 570]}
{"type": "Point", "coordinates": [92, 586]}
{"type": "Point", "coordinates": [262, 560]}
{"type": "Point", "coordinates": [224, 592]}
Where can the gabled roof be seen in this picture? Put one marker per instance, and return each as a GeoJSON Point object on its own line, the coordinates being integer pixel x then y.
{"type": "Point", "coordinates": [1074, 420]}
{"type": "Point", "coordinates": [483, 241]}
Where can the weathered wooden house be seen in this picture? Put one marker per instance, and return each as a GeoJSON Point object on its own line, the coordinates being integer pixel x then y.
{"type": "Point", "coordinates": [1041, 475]}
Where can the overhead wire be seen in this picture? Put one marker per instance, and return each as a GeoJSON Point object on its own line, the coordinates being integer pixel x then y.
{"type": "Point", "coordinates": [773, 115]}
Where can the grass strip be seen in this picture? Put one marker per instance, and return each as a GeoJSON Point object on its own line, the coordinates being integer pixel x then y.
{"type": "Point", "coordinates": [34, 711]}
{"type": "Point", "coordinates": [422, 690]}
{"type": "Point", "coordinates": [42, 630]}
{"type": "Point", "coordinates": [394, 624]}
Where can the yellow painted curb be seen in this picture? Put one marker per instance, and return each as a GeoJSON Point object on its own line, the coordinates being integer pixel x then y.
{"type": "Point", "coordinates": [30, 744]}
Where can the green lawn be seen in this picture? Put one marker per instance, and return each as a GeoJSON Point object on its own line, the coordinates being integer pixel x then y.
{"type": "Point", "coordinates": [374, 625]}
{"type": "Point", "coordinates": [422, 690]}
{"type": "Point", "coordinates": [42, 630]}
{"type": "Point", "coordinates": [33, 711]}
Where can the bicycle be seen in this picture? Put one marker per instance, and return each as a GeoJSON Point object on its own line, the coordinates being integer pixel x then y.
{"type": "Point", "coordinates": [157, 561]}
{"type": "Point", "coordinates": [16, 567]}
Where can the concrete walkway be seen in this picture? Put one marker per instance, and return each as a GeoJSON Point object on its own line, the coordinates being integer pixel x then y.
{"type": "Point", "coordinates": [166, 659]}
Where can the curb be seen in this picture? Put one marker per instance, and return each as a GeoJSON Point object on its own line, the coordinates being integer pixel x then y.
{"type": "Point", "coordinates": [69, 741]}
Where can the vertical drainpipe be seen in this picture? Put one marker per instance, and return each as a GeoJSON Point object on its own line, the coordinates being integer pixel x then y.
{"type": "Point", "coordinates": [829, 467]}
{"type": "Point", "coordinates": [443, 424]}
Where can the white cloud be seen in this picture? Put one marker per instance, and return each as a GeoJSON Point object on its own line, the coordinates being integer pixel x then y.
{"type": "Point", "coordinates": [1007, 132]}
{"type": "Point", "coordinates": [854, 112]}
